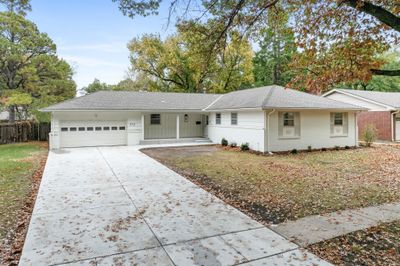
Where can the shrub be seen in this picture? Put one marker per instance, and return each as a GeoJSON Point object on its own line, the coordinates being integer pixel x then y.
{"type": "Point", "coordinates": [294, 151]}
{"type": "Point", "coordinates": [309, 148]}
{"type": "Point", "coordinates": [323, 149]}
{"type": "Point", "coordinates": [224, 142]}
{"type": "Point", "coordinates": [245, 146]}
{"type": "Point", "coordinates": [347, 147]}
{"type": "Point", "coordinates": [337, 147]}
{"type": "Point", "coordinates": [369, 135]}
{"type": "Point", "coordinates": [233, 144]}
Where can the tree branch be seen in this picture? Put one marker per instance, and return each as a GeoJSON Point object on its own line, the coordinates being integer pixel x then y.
{"type": "Point", "coordinates": [377, 12]}
{"type": "Point", "coordinates": [383, 72]}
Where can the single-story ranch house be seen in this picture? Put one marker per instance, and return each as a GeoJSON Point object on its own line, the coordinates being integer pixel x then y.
{"type": "Point", "coordinates": [269, 119]}
{"type": "Point", "coordinates": [383, 110]}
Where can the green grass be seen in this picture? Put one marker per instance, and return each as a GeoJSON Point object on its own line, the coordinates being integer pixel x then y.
{"type": "Point", "coordinates": [17, 163]}
{"type": "Point", "coordinates": [291, 186]}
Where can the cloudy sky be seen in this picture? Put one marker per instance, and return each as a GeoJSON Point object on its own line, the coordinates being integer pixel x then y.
{"type": "Point", "coordinates": [92, 35]}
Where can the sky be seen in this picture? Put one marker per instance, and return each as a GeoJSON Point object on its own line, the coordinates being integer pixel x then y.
{"type": "Point", "coordinates": [92, 35]}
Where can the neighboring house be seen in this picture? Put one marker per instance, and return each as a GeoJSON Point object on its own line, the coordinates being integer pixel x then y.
{"type": "Point", "coordinates": [383, 110]}
{"type": "Point", "coordinates": [3, 115]}
{"type": "Point", "coordinates": [269, 118]}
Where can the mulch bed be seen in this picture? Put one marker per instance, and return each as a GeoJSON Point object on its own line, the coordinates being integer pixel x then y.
{"type": "Point", "coordinates": [11, 248]}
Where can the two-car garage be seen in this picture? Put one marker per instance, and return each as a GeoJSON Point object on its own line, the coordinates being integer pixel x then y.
{"type": "Point", "coordinates": [92, 133]}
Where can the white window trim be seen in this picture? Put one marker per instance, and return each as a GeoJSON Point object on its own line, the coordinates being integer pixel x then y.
{"type": "Point", "coordinates": [236, 119]}
{"type": "Point", "coordinates": [218, 119]}
{"type": "Point", "coordinates": [332, 123]}
{"type": "Point", "coordinates": [283, 137]}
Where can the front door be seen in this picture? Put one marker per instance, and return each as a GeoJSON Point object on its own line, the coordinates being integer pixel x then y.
{"type": "Point", "coordinates": [397, 128]}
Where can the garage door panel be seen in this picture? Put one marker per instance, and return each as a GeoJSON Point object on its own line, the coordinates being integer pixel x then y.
{"type": "Point", "coordinates": [92, 133]}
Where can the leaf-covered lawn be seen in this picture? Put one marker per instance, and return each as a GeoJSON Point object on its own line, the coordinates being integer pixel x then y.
{"type": "Point", "coordinates": [290, 186]}
{"type": "Point", "coordinates": [378, 245]}
{"type": "Point", "coordinates": [17, 164]}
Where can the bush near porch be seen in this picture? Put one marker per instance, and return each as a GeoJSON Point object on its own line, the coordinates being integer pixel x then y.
{"type": "Point", "coordinates": [290, 186]}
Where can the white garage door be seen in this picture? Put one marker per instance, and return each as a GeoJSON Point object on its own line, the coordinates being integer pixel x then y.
{"type": "Point", "coordinates": [92, 133]}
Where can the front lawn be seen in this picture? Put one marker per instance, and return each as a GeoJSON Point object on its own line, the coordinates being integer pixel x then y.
{"type": "Point", "coordinates": [379, 245]}
{"type": "Point", "coordinates": [18, 162]}
{"type": "Point", "coordinates": [290, 186]}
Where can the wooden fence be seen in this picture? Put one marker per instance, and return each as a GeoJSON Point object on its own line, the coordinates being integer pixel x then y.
{"type": "Point", "coordinates": [24, 131]}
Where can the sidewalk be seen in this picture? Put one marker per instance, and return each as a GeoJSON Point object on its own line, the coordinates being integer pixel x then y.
{"type": "Point", "coordinates": [316, 228]}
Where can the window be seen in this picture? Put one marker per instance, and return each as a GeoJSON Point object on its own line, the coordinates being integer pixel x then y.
{"type": "Point", "coordinates": [339, 124]}
{"type": "Point", "coordinates": [288, 119]}
{"type": "Point", "coordinates": [155, 119]}
{"type": "Point", "coordinates": [121, 128]}
{"type": "Point", "coordinates": [81, 128]}
{"type": "Point", "coordinates": [97, 128]}
{"type": "Point", "coordinates": [186, 118]}
{"type": "Point", "coordinates": [234, 118]}
{"type": "Point", "coordinates": [72, 129]}
{"type": "Point", "coordinates": [338, 119]}
{"type": "Point", "coordinates": [207, 120]}
{"type": "Point", "coordinates": [114, 128]}
{"type": "Point", "coordinates": [63, 129]}
{"type": "Point", "coordinates": [89, 128]}
{"type": "Point", "coordinates": [289, 124]}
{"type": "Point", "coordinates": [218, 118]}
{"type": "Point", "coordinates": [106, 128]}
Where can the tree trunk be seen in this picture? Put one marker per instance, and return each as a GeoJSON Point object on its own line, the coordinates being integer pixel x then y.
{"type": "Point", "coordinates": [11, 114]}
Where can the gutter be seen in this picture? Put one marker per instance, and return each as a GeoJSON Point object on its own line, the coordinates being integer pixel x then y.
{"type": "Point", "coordinates": [392, 124]}
{"type": "Point", "coordinates": [268, 116]}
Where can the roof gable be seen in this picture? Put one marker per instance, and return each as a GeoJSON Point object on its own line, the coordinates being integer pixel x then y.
{"type": "Point", "coordinates": [387, 99]}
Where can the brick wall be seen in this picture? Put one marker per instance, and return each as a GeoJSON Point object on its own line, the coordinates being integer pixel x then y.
{"type": "Point", "coordinates": [381, 120]}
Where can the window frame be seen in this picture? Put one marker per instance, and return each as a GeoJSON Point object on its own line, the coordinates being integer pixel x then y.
{"type": "Point", "coordinates": [64, 129]}
{"type": "Point", "coordinates": [154, 119]}
{"type": "Point", "coordinates": [218, 118]}
{"type": "Point", "coordinates": [341, 119]}
{"type": "Point", "coordinates": [288, 119]}
{"type": "Point", "coordinates": [234, 120]}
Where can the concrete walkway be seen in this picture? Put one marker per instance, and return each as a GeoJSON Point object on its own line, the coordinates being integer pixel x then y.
{"type": "Point", "coordinates": [117, 206]}
{"type": "Point", "coordinates": [313, 229]}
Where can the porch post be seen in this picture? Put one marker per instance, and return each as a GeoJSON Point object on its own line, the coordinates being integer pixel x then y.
{"type": "Point", "coordinates": [142, 126]}
{"type": "Point", "coordinates": [177, 126]}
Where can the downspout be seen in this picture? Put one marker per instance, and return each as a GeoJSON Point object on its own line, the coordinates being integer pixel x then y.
{"type": "Point", "coordinates": [268, 116]}
{"type": "Point", "coordinates": [392, 124]}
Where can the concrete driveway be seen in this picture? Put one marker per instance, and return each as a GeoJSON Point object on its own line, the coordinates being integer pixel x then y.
{"type": "Point", "coordinates": [117, 206]}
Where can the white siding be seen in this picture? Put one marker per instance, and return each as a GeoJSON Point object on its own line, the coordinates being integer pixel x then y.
{"type": "Point", "coordinates": [315, 131]}
{"type": "Point", "coordinates": [250, 128]}
{"type": "Point", "coordinates": [356, 101]}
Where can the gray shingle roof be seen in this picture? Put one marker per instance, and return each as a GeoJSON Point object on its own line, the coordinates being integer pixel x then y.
{"type": "Point", "coordinates": [277, 97]}
{"type": "Point", "coordinates": [262, 98]}
{"type": "Point", "coordinates": [128, 100]}
{"type": "Point", "coordinates": [387, 98]}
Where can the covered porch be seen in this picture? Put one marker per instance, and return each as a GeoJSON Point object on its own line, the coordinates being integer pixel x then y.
{"type": "Point", "coordinates": [173, 127]}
